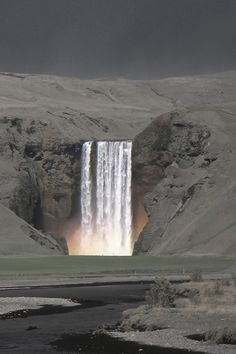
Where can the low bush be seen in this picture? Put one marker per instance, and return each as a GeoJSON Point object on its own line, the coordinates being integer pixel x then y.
{"type": "Point", "coordinates": [225, 282]}
{"type": "Point", "coordinates": [222, 336]}
{"type": "Point", "coordinates": [196, 275]}
{"type": "Point", "coordinates": [195, 297]}
{"type": "Point", "coordinates": [161, 294]}
{"type": "Point", "coordinates": [234, 278]}
{"type": "Point", "coordinates": [218, 288]}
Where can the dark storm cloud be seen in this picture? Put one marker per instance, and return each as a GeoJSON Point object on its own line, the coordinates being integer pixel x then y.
{"type": "Point", "coordinates": [133, 38]}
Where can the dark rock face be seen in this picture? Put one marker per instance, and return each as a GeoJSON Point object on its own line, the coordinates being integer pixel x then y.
{"type": "Point", "coordinates": [19, 192]}
{"type": "Point", "coordinates": [150, 153]}
{"type": "Point", "coordinates": [58, 179]}
{"type": "Point", "coordinates": [150, 156]}
{"type": "Point", "coordinates": [171, 147]}
{"type": "Point", "coordinates": [44, 174]}
{"type": "Point", "coordinates": [48, 186]}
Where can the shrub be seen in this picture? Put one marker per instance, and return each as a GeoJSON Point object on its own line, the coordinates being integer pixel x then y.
{"type": "Point", "coordinates": [208, 291]}
{"type": "Point", "coordinates": [196, 275]}
{"type": "Point", "coordinates": [161, 294]}
{"type": "Point", "coordinates": [225, 282]}
{"type": "Point", "coordinates": [194, 296]}
{"type": "Point", "coordinates": [222, 336]}
{"type": "Point", "coordinates": [218, 288]}
{"type": "Point", "coordinates": [234, 278]}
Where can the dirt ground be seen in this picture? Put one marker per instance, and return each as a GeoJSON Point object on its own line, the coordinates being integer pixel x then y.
{"type": "Point", "coordinates": [203, 319]}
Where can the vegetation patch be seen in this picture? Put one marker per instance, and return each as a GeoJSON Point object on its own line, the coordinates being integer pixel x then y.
{"type": "Point", "coordinates": [161, 294]}
{"type": "Point", "coordinates": [53, 266]}
{"type": "Point", "coordinates": [218, 336]}
{"type": "Point", "coordinates": [196, 275]}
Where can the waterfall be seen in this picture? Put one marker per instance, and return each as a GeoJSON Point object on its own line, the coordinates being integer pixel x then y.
{"type": "Point", "coordinates": [106, 216]}
{"type": "Point", "coordinates": [86, 193]}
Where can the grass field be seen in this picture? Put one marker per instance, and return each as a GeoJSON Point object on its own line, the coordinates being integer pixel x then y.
{"type": "Point", "coordinates": [73, 266]}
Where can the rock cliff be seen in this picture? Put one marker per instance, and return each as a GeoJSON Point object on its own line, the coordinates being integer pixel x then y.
{"type": "Point", "coordinates": [192, 208]}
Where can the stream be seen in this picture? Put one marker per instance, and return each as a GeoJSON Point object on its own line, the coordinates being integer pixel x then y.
{"type": "Point", "coordinates": [69, 330]}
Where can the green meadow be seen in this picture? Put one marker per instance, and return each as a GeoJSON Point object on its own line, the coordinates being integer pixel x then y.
{"type": "Point", "coordinates": [79, 266]}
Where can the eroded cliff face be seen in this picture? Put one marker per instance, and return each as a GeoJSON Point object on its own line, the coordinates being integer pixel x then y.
{"type": "Point", "coordinates": [191, 210]}
{"type": "Point", "coordinates": [169, 145]}
{"type": "Point", "coordinates": [149, 158]}
{"type": "Point", "coordinates": [56, 170]}
{"type": "Point", "coordinates": [40, 174]}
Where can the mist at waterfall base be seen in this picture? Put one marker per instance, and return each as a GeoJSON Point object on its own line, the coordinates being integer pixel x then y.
{"type": "Point", "coordinates": [105, 226]}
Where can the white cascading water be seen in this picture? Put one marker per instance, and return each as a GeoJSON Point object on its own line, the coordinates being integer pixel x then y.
{"type": "Point", "coordinates": [86, 192]}
{"type": "Point", "coordinates": [106, 217]}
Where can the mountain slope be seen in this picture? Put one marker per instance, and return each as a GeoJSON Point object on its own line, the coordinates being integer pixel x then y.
{"type": "Point", "coordinates": [19, 238]}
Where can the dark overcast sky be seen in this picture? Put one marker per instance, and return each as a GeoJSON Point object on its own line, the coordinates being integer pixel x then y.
{"type": "Point", "coordinates": [107, 38]}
